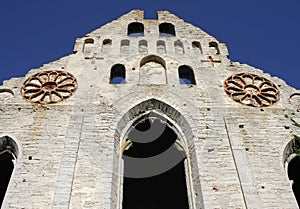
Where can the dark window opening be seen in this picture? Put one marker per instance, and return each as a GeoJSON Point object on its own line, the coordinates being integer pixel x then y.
{"type": "Point", "coordinates": [107, 42]}
{"type": "Point", "coordinates": [135, 29]}
{"type": "Point", "coordinates": [117, 74]}
{"type": "Point", "coordinates": [294, 175]}
{"type": "Point", "coordinates": [89, 41]}
{"type": "Point", "coordinates": [214, 45]}
{"type": "Point", "coordinates": [164, 188]}
{"type": "Point", "coordinates": [166, 30]}
{"type": "Point", "coordinates": [197, 47]}
{"type": "Point", "coordinates": [8, 152]}
{"type": "Point", "coordinates": [186, 75]}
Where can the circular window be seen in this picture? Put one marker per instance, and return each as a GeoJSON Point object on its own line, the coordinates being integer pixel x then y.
{"type": "Point", "coordinates": [252, 90]}
{"type": "Point", "coordinates": [49, 87]}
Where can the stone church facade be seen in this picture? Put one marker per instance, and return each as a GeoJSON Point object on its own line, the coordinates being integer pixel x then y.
{"type": "Point", "coordinates": [147, 114]}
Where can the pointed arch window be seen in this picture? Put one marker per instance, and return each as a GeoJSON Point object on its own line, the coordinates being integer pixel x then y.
{"type": "Point", "coordinates": [186, 75]}
{"type": "Point", "coordinates": [294, 175]}
{"type": "Point", "coordinates": [8, 154]}
{"type": "Point", "coordinates": [117, 74]}
{"type": "Point", "coordinates": [160, 180]}
{"type": "Point", "coordinates": [166, 30]}
{"type": "Point", "coordinates": [135, 29]}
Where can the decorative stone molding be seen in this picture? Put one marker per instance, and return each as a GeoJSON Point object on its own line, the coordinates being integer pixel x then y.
{"type": "Point", "coordinates": [49, 87]}
{"type": "Point", "coordinates": [251, 89]}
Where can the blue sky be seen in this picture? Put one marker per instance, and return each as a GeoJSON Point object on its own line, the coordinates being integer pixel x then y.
{"type": "Point", "coordinates": [261, 33]}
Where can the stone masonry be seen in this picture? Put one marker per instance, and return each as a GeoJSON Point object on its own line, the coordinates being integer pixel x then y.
{"type": "Point", "coordinates": [233, 121]}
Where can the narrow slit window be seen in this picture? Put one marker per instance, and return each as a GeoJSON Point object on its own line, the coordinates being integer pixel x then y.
{"type": "Point", "coordinates": [117, 74]}
{"type": "Point", "coordinates": [135, 29]}
{"type": "Point", "coordinates": [166, 30]}
{"type": "Point", "coordinates": [186, 75]}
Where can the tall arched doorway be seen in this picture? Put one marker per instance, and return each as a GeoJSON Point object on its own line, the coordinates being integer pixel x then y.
{"type": "Point", "coordinates": [154, 166]}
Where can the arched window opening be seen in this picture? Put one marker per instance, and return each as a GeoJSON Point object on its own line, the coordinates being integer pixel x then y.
{"type": "Point", "coordinates": [214, 45]}
{"type": "Point", "coordinates": [8, 153]}
{"type": "Point", "coordinates": [153, 70]}
{"type": "Point", "coordinates": [294, 175]}
{"type": "Point", "coordinates": [161, 47]}
{"type": "Point", "coordinates": [154, 167]}
{"type": "Point", "coordinates": [186, 75]}
{"type": "Point", "coordinates": [197, 47]}
{"type": "Point", "coordinates": [117, 74]}
{"type": "Point", "coordinates": [135, 29]}
{"type": "Point", "coordinates": [88, 45]}
{"type": "Point", "coordinates": [106, 45]}
{"type": "Point", "coordinates": [124, 46]}
{"type": "Point", "coordinates": [166, 30]}
{"type": "Point", "coordinates": [143, 46]}
{"type": "Point", "coordinates": [107, 42]}
{"type": "Point", "coordinates": [153, 58]}
{"type": "Point", "coordinates": [179, 47]}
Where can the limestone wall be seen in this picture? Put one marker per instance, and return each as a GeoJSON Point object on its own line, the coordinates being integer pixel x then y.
{"type": "Point", "coordinates": [70, 151]}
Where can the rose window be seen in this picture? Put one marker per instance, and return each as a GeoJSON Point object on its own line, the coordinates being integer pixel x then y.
{"type": "Point", "coordinates": [252, 90]}
{"type": "Point", "coordinates": [49, 87]}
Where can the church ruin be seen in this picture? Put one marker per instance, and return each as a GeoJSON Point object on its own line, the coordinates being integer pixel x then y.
{"type": "Point", "coordinates": [148, 114]}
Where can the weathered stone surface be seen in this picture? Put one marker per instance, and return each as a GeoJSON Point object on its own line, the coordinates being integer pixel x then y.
{"type": "Point", "coordinates": [237, 154]}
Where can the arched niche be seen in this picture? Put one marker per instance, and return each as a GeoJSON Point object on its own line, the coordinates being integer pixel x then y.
{"type": "Point", "coordinates": [143, 46]}
{"type": "Point", "coordinates": [153, 70]}
{"type": "Point", "coordinates": [124, 46]}
{"type": "Point", "coordinates": [197, 47]}
{"type": "Point", "coordinates": [106, 45]}
{"type": "Point", "coordinates": [88, 45]}
{"type": "Point", "coordinates": [161, 47]}
{"type": "Point", "coordinates": [182, 143]}
{"type": "Point", "coordinates": [8, 154]}
{"type": "Point", "coordinates": [179, 49]}
{"type": "Point", "coordinates": [294, 99]}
